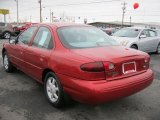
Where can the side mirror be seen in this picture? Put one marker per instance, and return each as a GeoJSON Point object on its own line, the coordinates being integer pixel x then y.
{"type": "Point", "coordinates": [142, 36]}
{"type": "Point", "coordinates": [13, 40]}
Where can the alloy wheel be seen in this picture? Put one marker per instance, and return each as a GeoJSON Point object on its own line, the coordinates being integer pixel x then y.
{"type": "Point", "coordinates": [7, 35]}
{"type": "Point", "coordinates": [52, 89]}
{"type": "Point", "coordinates": [6, 62]}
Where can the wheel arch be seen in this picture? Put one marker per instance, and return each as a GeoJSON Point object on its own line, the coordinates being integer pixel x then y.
{"type": "Point", "coordinates": [3, 51]}
{"type": "Point", "coordinates": [45, 71]}
{"type": "Point", "coordinates": [134, 44]}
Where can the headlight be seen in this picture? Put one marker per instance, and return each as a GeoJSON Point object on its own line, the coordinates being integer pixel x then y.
{"type": "Point", "coordinates": [124, 43]}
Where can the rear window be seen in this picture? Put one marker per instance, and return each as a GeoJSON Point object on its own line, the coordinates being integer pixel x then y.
{"type": "Point", "coordinates": [84, 37]}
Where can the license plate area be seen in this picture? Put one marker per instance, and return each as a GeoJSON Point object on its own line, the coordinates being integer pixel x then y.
{"type": "Point", "coordinates": [129, 67]}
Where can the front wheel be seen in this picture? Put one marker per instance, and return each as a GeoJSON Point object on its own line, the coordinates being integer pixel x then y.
{"type": "Point", "coordinates": [7, 64]}
{"type": "Point", "coordinates": [158, 49]}
{"type": "Point", "coordinates": [54, 90]}
{"type": "Point", "coordinates": [6, 35]}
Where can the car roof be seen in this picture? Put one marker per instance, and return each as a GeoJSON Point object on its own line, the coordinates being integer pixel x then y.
{"type": "Point", "coordinates": [63, 24]}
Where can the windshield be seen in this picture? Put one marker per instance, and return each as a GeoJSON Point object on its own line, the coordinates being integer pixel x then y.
{"type": "Point", "coordinates": [84, 37]}
{"type": "Point", "coordinates": [127, 32]}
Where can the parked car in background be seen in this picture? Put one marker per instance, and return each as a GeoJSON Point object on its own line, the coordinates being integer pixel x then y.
{"type": "Point", "coordinates": [21, 27]}
{"type": "Point", "coordinates": [6, 30]}
{"type": "Point", "coordinates": [143, 39]}
{"type": "Point", "coordinates": [158, 31]}
{"type": "Point", "coordinates": [110, 31]}
{"type": "Point", "coordinates": [79, 62]}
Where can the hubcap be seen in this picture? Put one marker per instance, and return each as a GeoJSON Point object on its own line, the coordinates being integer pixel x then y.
{"type": "Point", "coordinates": [52, 89]}
{"type": "Point", "coordinates": [7, 35]}
{"type": "Point", "coordinates": [6, 62]}
{"type": "Point", "coordinates": [158, 49]}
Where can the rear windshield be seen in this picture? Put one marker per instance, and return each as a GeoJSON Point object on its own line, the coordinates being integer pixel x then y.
{"type": "Point", "coordinates": [127, 32]}
{"type": "Point", "coordinates": [84, 37]}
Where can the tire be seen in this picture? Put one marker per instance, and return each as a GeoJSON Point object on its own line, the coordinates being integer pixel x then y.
{"type": "Point", "coordinates": [158, 49]}
{"type": "Point", "coordinates": [53, 90]}
{"type": "Point", "coordinates": [6, 35]}
{"type": "Point", "coordinates": [134, 47]}
{"type": "Point", "coordinates": [7, 64]}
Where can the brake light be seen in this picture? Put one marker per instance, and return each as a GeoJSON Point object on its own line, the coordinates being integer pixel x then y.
{"type": "Point", "coordinates": [146, 63]}
{"type": "Point", "coordinates": [93, 67]}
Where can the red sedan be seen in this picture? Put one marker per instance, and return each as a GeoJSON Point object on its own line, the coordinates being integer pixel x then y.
{"type": "Point", "coordinates": [79, 62]}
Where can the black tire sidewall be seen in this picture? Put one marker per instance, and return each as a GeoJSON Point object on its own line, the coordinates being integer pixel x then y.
{"type": "Point", "coordinates": [10, 67]}
{"type": "Point", "coordinates": [134, 47]}
{"type": "Point", "coordinates": [157, 48]}
{"type": "Point", "coordinates": [60, 101]}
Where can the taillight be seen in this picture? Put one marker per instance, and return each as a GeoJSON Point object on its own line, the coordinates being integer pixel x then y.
{"type": "Point", "coordinates": [146, 63]}
{"type": "Point", "coordinates": [110, 70]}
{"type": "Point", "coordinates": [93, 67]}
{"type": "Point", "coordinates": [108, 66]}
{"type": "Point", "coordinates": [101, 70]}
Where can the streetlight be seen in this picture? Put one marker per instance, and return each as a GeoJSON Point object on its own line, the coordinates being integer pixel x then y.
{"type": "Point", "coordinates": [17, 11]}
{"type": "Point", "coordinates": [40, 4]}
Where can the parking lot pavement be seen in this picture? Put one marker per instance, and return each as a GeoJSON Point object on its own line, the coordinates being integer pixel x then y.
{"type": "Point", "coordinates": [22, 98]}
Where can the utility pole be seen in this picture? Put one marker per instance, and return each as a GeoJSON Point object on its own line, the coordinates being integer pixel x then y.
{"type": "Point", "coordinates": [17, 11]}
{"type": "Point", "coordinates": [40, 9]}
{"type": "Point", "coordinates": [52, 16]}
{"type": "Point", "coordinates": [130, 20]}
{"type": "Point", "coordinates": [124, 11]}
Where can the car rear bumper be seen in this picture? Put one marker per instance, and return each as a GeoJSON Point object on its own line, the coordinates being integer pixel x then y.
{"type": "Point", "coordinates": [96, 92]}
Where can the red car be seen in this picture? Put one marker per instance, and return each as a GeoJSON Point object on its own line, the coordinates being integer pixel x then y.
{"type": "Point", "coordinates": [20, 28]}
{"type": "Point", "coordinates": [79, 62]}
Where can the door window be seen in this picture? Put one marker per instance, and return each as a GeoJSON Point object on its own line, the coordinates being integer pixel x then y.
{"type": "Point", "coordinates": [152, 33]}
{"type": "Point", "coordinates": [145, 32]}
{"type": "Point", "coordinates": [26, 36]}
{"type": "Point", "coordinates": [43, 38]}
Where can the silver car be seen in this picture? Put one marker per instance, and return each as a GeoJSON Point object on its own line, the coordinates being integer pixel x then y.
{"type": "Point", "coordinates": [143, 39]}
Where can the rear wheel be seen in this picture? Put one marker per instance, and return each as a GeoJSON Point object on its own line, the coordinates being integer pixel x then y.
{"type": "Point", "coordinates": [7, 64]}
{"type": "Point", "coordinates": [6, 35]}
{"type": "Point", "coordinates": [53, 90]}
{"type": "Point", "coordinates": [134, 47]}
{"type": "Point", "coordinates": [158, 49]}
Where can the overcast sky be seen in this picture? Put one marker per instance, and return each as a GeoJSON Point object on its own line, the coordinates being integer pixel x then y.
{"type": "Point", "coordinates": [103, 10]}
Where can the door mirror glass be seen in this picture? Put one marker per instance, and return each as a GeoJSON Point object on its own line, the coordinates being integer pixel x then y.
{"type": "Point", "coordinates": [143, 36]}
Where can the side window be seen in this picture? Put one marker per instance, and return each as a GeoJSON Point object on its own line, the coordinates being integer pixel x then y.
{"type": "Point", "coordinates": [145, 32]}
{"type": "Point", "coordinates": [152, 33]}
{"type": "Point", "coordinates": [43, 38]}
{"type": "Point", "coordinates": [26, 36]}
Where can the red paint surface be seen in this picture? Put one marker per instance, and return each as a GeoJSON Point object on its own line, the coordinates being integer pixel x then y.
{"type": "Point", "coordinates": [81, 85]}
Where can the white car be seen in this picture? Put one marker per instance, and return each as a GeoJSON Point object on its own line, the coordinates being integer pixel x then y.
{"type": "Point", "coordinates": [143, 39]}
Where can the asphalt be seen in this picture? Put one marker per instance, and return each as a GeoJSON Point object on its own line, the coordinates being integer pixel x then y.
{"type": "Point", "coordinates": [22, 98]}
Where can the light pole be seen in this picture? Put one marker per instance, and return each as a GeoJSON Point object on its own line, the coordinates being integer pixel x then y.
{"type": "Point", "coordinates": [40, 9]}
{"type": "Point", "coordinates": [124, 11]}
{"type": "Point", "coordinates": [17, 11]}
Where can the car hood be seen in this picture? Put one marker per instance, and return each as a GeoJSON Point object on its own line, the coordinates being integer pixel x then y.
{"type": "Point", "coordinates": [121, 39]}
{"type": "Point", "coordinates": [107, 53]}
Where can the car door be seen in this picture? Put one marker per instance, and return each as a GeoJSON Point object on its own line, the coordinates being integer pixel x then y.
{"type": "Point", "coordinates": [154, 41]}
{"type": "Point", "coordinates": [16, 51]}
{"type": "Point", "coordinates": [38, 54]}
{"type": "Point", "coordinates": [144, 42]}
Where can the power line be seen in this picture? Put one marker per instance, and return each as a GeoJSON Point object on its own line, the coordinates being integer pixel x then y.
{"type": "Point", "coordinates": [92, 2]}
